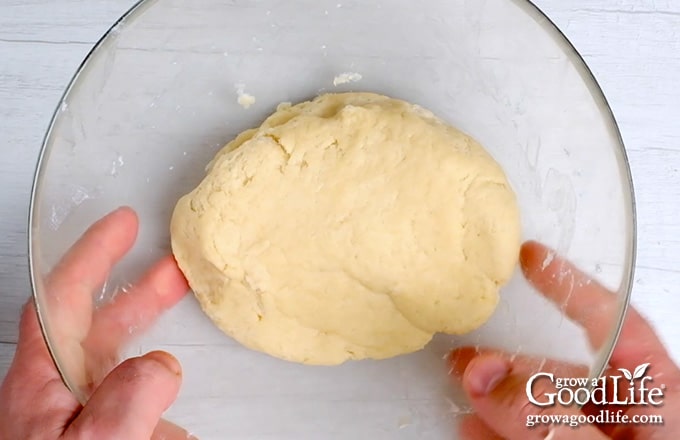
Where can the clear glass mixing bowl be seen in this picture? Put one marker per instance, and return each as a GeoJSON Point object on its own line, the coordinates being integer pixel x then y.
{"type": "Point", "coordinates": [158, 96]}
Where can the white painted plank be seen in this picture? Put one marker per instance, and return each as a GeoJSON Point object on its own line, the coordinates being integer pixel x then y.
{"type": "Point", "coordinates": [42, 43]}
{"type": "Point", "coordinates": [633, 47]}
{"type": "Point", "coordinates": [70, 22]}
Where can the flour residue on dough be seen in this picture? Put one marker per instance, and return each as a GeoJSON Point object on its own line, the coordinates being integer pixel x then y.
{"type": "Point", "coordinates": [352, 226]}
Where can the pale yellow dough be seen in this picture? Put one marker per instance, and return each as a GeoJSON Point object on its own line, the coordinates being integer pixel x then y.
{"type": "Point", "coordinates": [352, 226]}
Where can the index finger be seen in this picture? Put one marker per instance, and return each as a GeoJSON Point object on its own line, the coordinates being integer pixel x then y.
{"type": "Point", "coordinates": [134, 311]}
{"type": "Point", "coordinates": [592, 306]}
{"type": "Point", "coordinates": [85, 268]}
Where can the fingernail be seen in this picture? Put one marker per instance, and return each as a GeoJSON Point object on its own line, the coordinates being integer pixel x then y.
{"type": "Point", "coordinates": [484, 374]}
{"type": "Point", "coordinates": [167, 360]}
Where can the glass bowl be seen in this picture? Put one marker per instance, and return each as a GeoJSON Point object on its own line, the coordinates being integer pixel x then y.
{"type": "Point", "coordinates": [159, 95]}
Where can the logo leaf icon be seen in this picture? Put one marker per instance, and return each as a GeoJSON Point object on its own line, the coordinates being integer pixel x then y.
{"type": "Point", "coordinates": [640, 371]}
{"type": "Point", "coordinates": [626, 373]}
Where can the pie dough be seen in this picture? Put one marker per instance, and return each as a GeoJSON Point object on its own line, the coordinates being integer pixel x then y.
{"type": "Point", "coordinates": [352, 226]}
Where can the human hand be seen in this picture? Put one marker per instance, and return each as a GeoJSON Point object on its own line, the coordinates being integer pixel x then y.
{"type": "Point", "coordinates": [126, 403]}
{"type": "Point", "coordinates": [495, 382]}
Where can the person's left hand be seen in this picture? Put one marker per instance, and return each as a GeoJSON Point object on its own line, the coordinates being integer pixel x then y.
{"type": "Point", "coordinates": [128, 402]}
{"type": "Point", "coordinates": [496, 382]}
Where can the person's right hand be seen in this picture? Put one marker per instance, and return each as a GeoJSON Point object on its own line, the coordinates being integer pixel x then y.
{"type": "Point", "coordinates": [495, 382]}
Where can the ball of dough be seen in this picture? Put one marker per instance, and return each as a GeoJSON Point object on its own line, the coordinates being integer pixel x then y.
{"type": "Point", "coordinates": [352, 226]}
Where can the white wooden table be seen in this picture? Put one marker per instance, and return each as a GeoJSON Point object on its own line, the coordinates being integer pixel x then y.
{"type": "Point", "coordinates": [633, 46]}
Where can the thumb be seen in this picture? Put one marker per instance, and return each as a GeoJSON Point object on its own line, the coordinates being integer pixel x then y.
{"type": "Point", "coordinates": [131, 399]}
{"type": "Point", "coordinates": [498, 395]}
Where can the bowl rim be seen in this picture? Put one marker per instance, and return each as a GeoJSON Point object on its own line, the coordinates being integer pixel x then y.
{"type": "Point", "coordinates": [533, 10]}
